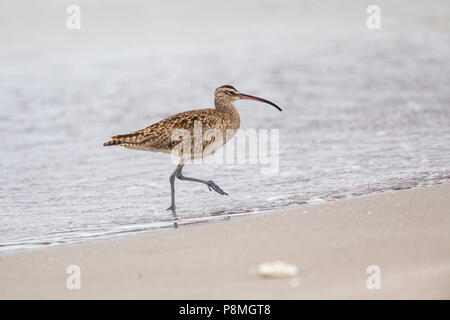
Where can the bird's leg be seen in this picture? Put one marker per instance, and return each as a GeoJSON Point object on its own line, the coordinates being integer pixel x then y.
{"type": "Point", "coordinates": [172, 194]}
{"type": "Point", "coordinates": [211, 184]}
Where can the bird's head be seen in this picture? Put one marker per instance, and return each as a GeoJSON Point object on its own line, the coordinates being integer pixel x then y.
{"type": "Point", "coordinates": [229, 94]}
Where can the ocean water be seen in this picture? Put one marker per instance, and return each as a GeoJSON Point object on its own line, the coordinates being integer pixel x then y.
{"type": "Point", "coordinates": [364, 111]}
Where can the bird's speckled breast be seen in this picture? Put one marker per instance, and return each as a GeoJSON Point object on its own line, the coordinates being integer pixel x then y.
{"type": "Point", "coordinates": [232, 121]}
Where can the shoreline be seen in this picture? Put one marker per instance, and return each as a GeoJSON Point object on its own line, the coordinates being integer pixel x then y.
{"type": "Point", "coordinates": [406, 233]}
{"type": "Point", "coordinates": [186, 222]}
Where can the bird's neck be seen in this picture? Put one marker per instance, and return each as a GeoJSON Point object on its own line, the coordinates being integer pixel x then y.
{"type": "Point", "coordinates": [225, 106]}
{"type": "Point", "coordinates": [229, 114]}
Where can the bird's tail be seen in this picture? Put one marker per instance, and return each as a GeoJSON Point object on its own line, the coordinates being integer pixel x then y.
{"type": "Point", "coordinates": [112, 143]}
{"type": "Point", "coordinates": [129, 138]}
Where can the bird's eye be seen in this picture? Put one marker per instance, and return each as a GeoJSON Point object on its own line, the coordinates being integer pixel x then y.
{"type": "Point", "coordinates": [230, 93]}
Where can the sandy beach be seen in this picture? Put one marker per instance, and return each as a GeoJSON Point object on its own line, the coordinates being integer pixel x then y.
{"type": "Point", "coordinates": [405, 233]}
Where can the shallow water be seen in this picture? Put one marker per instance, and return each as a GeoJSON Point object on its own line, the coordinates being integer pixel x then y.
{"type": "Point", "coordinates": [364, 112]}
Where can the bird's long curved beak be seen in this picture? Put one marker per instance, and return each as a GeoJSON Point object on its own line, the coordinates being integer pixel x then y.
{"type": "Point", "coordinates": [248, 97]}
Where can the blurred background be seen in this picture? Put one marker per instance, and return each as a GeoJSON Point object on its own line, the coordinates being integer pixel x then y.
{"type": "Point", "coordinates": [365, 111]}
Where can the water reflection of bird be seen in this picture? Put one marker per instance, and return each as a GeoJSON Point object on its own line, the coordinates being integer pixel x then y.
{"type": "Point", "coordinates": [212, 127]}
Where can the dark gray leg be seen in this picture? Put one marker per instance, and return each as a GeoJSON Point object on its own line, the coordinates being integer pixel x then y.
{"type": "Point", "coordinates": [177, 173]}
{"type": "Point", "coordinates": [172, 194]}
{"type": "Point", "coordinates": [209, 183]}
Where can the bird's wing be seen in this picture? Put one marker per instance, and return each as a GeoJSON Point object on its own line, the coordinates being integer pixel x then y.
{"type": "Point", "coordinates": [163, 134]}
{"type": "Point", "coordinates": [169, 132]}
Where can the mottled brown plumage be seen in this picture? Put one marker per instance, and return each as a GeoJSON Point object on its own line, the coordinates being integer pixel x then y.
{"type": "Point", "coordinates": [160, 137]}
{"type": "Point", "coordinates": [214, 127]}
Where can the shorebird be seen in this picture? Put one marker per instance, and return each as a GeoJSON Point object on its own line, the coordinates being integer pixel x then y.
{"type": "Point", "coordinates": [169, 135]}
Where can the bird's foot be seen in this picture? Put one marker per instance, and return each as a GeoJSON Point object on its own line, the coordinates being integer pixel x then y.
{"type": "Point", "coordinates": [174, 214]}
{"type": "Point", "coordinates": [215, 187]}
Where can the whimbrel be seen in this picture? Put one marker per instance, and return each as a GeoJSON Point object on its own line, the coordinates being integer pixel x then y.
{"type": "Point", "coordinates": [164, 136]}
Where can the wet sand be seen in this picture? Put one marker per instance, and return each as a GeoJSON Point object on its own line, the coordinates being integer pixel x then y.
{"type": "Point", "coordinates": [405, 233]}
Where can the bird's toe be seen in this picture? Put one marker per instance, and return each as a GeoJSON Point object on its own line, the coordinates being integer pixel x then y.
{"type": "Point", "coordinates": [215, 187]}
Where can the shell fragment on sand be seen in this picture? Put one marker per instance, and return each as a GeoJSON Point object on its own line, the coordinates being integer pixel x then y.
{"type": "Point", "coordinates": [277, 269]}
